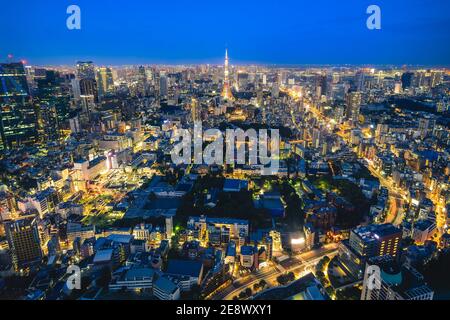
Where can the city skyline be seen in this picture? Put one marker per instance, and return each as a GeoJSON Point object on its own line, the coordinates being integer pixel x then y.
{"type": "Point", "coordinates": [247, 177]}
{"type": "Point", "coordinates": [233, 63]}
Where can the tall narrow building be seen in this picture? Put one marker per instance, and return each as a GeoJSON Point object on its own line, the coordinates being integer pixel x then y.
{"type": "Point", "coordinates": [163, 85]}
{"type": "Point", "coordinates": [88, 95]}
{"type": "Point", "coordinates": [226, 92]}
{"type": "Point", "coordinates": [195, 112]}
{"type": "Point", "coordinates": [52, 104]}
{"type": "Point", "coordinates": [105, 81]}
{"type": "Point", "coordinates": [353, 101]}
{"type": "Point", "coordinates": [142, 81]}
{"type": "Point", "coordinates": [88, 86]}
{"type": "Point", "coordinates": [24, 243]}
{"type": "Point", "coordinates": [18, 121]}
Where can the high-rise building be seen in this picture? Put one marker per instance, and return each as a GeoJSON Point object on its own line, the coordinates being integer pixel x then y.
{"type": "Point", "coordinates": [30, 72]}
{"type": "Point", "coordinates": [105, 81]}
{"type": "Point", "coordinates": [394, 282]}
{"type": "Point", "coordinates": [353, 100]}
{"type": "Point", "coordinates": [368, 242]}
{"type": "Point", "coordinates": [242, 81]}
{"type": "Point", "coordinates": [85, 70]}
{"type": "Point", "coordinates": [316, 137]}
{"type": "Point", "coordinates": [52, 104]}
{"type": "Point", "coordinates": [376, 240]}
{"type": "Point", "coordinates": [282, 78]}
{"type": "Point", "coordinates": [420, 79]}
{"type": "Point", "coordinates": [322, 86]}
{"type": "Point", "coordinates": [88, 86]}
{"type": "Point", "coordinates": [195, 111]}
{"type": "Point", "coordinates": [142, 81]}
{"type": "Point", "coordinates": [88, 95]}
{"type": "Point", "coordinates": [442, 106]}
{"type": "Point", "coordinates": [424, 127]}
{"type": "Point", "coordinates": [226, 91]}
{"type": "Point", "coordinates": [381, 130]}
{"type": "Point", "coordinates": [169, 227]}
{"type": "Point", "coordinates": [18, 121]}
{"type": "Point", "coordinates": [360, 80]}
{"type": "Point", "coordinates": [24, 243]}
{"type": "Point", "coordinates": [74, 124]}
{"type": "Point", "coordinates": [48, 123]}
{"type": "Point", "coordinates": [275, 91]}
{"type": "Point", "coordinates": [407, 80]}
{"type": "Point", "coordinates": [437, 78]}
{"type": "Point", "coordinates": [163, 85]}
{"type": "Point", "coordinates": [75, 89]}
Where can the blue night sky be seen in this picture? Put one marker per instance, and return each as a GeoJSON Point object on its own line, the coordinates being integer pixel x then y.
{"type": "Point", "coordinates": [197, 31]}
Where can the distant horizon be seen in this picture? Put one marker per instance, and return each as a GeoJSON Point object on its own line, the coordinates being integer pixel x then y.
{"type": "Point", "coordinates": [220, 63]}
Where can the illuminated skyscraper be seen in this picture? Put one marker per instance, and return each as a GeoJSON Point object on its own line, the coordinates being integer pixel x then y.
{"type": "Point", "coordinates": [48, 123]}
{"type": "Point", "coordinates": [436, 78]}
{"type": "Point", "coordinates": [52, 103]}
{"type": "Point", "coordinates": [105, 81]}
{"type": "Point", "coordinates": [353, 105]}
{"type": "Point", "coordinates": [142, 81]}
{"type": "Point", "coordinates": [85, 70]}
{"type": "Point", "coordinates": [226, 92]}
{"type": "Point", "coordinates": [323, 87]}
{"type": "Point", "coordinates": [18, 124]}
{"type": "Point", "coordinates": [316, 137]}
{"type": "Point", "coordinates": [89, 95]}
{"type": "Point", "coordinates": [88, 86]}
{"type": "Point", "coordinates": [195, 112]}
{"type": "Point", "coordinates": [425, 125]}
{"type": "Point", "coordinates": [360, 79]}
{"type": "Point", "coordinates": [24, 243]}
{"type": "Point", "coordinates": [367, 242]}
{"type": "Point", "coordinates": [163, 85]}
{"type": "Point", "coordinates": [169, 227]}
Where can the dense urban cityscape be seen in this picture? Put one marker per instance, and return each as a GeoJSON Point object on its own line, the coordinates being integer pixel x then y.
{"type": "Point", "coordinates": [93, 207]}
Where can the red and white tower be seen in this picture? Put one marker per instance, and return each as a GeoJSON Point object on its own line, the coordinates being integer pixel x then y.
{"type": "Point", "coordinates": [226, 92]}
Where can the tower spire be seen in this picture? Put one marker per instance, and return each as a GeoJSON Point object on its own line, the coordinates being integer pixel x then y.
{"type": "Point", "coordinates": [226, 92]}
